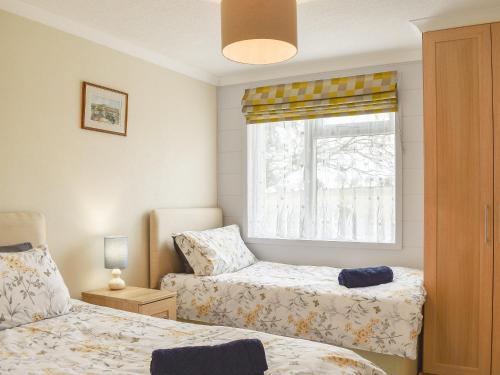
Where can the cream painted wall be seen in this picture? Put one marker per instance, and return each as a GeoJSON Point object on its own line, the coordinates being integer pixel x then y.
{"type": "Point", "coordinates": [91, 184]}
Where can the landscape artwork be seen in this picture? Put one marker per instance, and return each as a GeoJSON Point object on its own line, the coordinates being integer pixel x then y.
{"type": "Point", "coordinates": [104, 109]}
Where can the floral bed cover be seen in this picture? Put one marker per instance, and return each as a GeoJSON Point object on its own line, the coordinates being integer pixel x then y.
{"type": "Point", "coordinates": [308, 302]}
{"type": "Point", "coordinates": [97, 340]}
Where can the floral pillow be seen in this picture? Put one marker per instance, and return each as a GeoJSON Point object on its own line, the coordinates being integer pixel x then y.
{"type": "Point", "coordinates": [215, 251]}
{"type": "Point", "coordinates": [31, 288]}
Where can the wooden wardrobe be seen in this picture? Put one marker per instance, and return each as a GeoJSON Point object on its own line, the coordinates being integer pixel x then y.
{"type": "Point", "coordinates": [462, 200]}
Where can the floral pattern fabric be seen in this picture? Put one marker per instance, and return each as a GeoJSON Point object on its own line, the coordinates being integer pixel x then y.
{"type": "Point", "coordinates": [31, 288]}
{"type": "Point", "coordinates": [95, 340]}
{"type": "Point", "coordinates": [215, 251]}
{"type": "Point", "coordinates": [308, 302]}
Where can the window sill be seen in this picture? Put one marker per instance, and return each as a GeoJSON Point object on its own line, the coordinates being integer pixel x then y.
{"type": "Point", "coordinates": [330, 244]}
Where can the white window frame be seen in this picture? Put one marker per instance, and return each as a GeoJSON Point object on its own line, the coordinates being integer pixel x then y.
{"type": "Point", "coordinates": [397, 245]}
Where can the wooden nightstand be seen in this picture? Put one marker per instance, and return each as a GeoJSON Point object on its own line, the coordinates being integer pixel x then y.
{"type": "Point", "coordinates": [159, 303]}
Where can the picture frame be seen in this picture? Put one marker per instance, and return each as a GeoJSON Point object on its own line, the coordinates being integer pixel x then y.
{"type": "Point", "coordinates": [104, 109]}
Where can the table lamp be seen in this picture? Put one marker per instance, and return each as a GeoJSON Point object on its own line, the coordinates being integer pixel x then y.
{"type": "Point", "coordinates": [116, 259]}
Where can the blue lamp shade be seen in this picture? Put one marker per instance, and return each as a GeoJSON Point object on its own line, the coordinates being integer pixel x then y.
{"type": "Point", "coordinates": [115, 252]}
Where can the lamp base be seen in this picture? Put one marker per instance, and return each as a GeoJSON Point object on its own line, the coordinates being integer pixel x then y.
{"type": "Point", "coordinates": [116, 283]}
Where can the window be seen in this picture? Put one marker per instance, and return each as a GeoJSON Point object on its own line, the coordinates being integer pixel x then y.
{"type": "Point", "coordinates": [330, 179]}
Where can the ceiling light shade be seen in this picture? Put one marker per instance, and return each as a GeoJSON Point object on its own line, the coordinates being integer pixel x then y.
{"type": "Point", "coordinates": [259, 31]}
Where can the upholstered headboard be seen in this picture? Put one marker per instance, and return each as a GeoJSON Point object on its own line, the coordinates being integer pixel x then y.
{"type": "Point", "coordinates": [163, 223]}
{"type": "Point", "coordinates": [17, 227]}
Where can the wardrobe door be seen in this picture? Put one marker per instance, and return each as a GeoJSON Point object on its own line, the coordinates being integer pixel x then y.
{"type": "Point", "coordinates": [495, 34]}
{"type": "Point", "coordinates": [458, 201]}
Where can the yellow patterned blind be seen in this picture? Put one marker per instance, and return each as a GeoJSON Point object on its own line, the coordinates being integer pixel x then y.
{"type": "Point", "coordinates": [345, 96]}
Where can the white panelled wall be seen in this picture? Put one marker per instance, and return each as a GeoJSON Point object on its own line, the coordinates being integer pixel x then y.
{"type": "Point", "coordinates": [232, 177]}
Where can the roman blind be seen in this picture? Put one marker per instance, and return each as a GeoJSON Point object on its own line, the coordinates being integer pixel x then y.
{"type": "Point", "coordinates": [344, 96]}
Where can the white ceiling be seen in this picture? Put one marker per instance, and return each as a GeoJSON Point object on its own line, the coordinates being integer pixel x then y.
{"type": "Point", "coordinates": [186, 33]}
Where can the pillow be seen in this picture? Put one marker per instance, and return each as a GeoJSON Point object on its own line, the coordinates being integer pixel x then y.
{"type": "Point", "coordinates": [31, 288]}
{"type": "Point", "coordinates": [215, 251]}
{"type": "Point", "coordinates": [185, 263]}
{"type": "Point", "coordinates": [25, 246]}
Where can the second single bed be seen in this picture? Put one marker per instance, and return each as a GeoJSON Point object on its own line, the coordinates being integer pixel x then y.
{"type": "Point", "coordinates": [308, 302]}
{"type": "Point", "coordinates": [381, 322]}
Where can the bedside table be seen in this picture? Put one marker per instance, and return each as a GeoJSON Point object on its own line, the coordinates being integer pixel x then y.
{"type": "Point", "coordinates": [153, 302]}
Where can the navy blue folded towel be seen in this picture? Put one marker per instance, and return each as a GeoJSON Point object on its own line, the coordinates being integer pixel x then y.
{"type": "Point", "coordinates": [361, 277]}
{"type": "Point", "coordinates": [240, 357]}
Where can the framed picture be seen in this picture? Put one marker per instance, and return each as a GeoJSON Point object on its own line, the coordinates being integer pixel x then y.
{"type": "Point", "coordinates": [104, 109]}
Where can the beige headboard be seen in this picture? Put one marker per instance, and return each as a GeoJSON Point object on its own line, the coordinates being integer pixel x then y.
{"type": "Point", "coordinates": [18, 227]}
{"type": "Point", "coordinates": [163, 223]}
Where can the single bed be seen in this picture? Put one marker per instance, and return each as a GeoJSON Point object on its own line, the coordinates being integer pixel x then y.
{"type": "Point", "coordinates": [382, 323]}
{"type": "Point", "coordinates": [97, 340]}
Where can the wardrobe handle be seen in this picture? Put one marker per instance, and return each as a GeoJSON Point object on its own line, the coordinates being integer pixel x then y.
{"type": "Point", "coordinates": [486, 224]}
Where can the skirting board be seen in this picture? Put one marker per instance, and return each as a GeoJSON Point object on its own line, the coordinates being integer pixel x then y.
{"type": "Point", "coordinates": [391, 364]}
